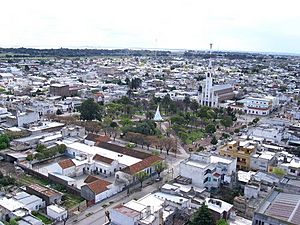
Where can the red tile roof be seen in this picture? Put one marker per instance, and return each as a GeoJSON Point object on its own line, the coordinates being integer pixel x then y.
{"type": "Point", "coordinates": [98, 186]}
{"type": "Point", "coordinates": [103, 159]}
{"type": "Point", "coordinates": [145, 163]}
{"type": "Point", "coordinates": [66, 163]}
{"type": "Point", "coordinates": [97, 138]}
{"type": "Point", "coordinates": [90, 179]}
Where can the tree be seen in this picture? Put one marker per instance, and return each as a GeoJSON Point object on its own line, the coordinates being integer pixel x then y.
{"type": "Point", "coordinates": [59, 112]}
{"type": "Point", "coordinates": [194, 106]}
{"type": "Point", "coordinates": [226, 121]}
{"type": "Point", "coordinates": [90, 110]}
{"type": "Point", "coordinates": [141, 177]}
{"type": "Point", "coordinates": [214, 140]}
{"type": "Point", "coordinates": [278, 171]}
{"type": "Point", "coordinates": [186, 102]}
{"type": "Point", "coordinates": [159, 167]}
{"type": "Point", "coordinates": [210, 128]}
{"type": "Point", "coordinates": [114, 125]}
{"type": "Point", "coordinates": [169, 144]}
{"type": "Point", "coordinates": [202, 216]}
{"type": "Point", "coordinates": [222, 222]}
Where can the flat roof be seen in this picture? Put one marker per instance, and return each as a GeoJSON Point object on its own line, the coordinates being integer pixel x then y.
{"type": "Point", "coordinates": [93, 150]}
{"type": "Point", "coordinates": [217, 159]}
{"type": "Point", "coordinates": [11, 204]}
{"type": "Point", "coordinates": [56, 208]}
{"type": "Point", "coordinates": [197, 164]}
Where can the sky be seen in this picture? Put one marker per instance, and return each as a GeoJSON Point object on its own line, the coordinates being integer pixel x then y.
{"type": "Point", "coordinates": [234, 25]}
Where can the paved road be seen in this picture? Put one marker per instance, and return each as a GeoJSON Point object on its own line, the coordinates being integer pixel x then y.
{"type": "Point", "coordinates": [95, 215]}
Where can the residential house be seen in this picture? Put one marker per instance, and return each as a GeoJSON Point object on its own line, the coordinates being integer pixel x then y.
{"type": "Point", "coordinates": [31, 202]}
{"type": "Point", "coordinates": [208, 170]}
{"type": "Point", "coordinates": [67, 167]}
{"type": "Point", "coordinates": [96, 189]}
{"type": "Point", "coordinates": [240, 150]}
{"type": "Point", "coordinates": [262, 160]}
{"type": "Point", "coordinates": [57, 213]}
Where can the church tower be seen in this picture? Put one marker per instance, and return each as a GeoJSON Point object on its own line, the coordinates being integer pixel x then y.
{"type": "Point", "coordinates": [207, 97]}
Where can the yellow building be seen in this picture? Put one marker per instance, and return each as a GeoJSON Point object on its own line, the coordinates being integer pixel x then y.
{"type": "Point", "coordinates": [241, 150]}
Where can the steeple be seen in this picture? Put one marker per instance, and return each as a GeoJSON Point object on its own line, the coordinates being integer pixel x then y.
{"type": "Point", "coordinates": [157, 116]}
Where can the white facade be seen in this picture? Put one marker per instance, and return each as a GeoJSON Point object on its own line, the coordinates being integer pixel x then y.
{"type": "Point", "coordinates": [268, 132]}
{"type": "Point", "coordinates": [262, 160]}
{"type": "Point", "coordinates": [26, 118]}
{"type": "Point", "coordinates": [30, 202]}
{"type": "Point", "coordinates": [207, 170]}
{"type": "Point", "coordinates": [258, 106]}
{"type": "Point", "coordinates": [57, 212]}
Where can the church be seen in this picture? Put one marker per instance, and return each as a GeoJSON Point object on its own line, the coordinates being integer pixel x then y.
{"type": "Point", "coordinates": [212, 95]}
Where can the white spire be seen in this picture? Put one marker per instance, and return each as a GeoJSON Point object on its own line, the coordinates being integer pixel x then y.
{"type": "Point", "coordinates": [157, 116]}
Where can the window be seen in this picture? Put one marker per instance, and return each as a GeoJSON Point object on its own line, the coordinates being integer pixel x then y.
{"type": "Point", "coordinates": [292, 171]}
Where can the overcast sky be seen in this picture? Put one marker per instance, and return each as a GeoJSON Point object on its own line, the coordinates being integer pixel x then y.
{"type": "Point", "coordinates": [245, 25]}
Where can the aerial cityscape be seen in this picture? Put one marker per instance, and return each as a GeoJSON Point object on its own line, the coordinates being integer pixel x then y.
{"type": "Point", "coordinates": [131, 113]}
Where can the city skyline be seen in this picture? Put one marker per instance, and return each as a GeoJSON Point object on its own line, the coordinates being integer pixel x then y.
{"type": "Point", "coordinates": [254, 26]}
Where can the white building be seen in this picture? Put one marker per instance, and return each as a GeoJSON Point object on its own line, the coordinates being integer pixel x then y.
{"type": "Point", "coordinates": [207, 170]}
{"type": "Point", "coordinates": [153, 209]}
{"type": "Point", "coordinates": [291, 167]}
{"type": "Point", "coordinates": [212, 95]}
{"type": "Point", "coordinates": [260, 106]}
{"type": "Point", "coordinates": [268, 132]}
{"type": "Point", "coordinates": [262, 160]}
{"type": "Point", "coordinates": [56, 212]}
{"type": "Point", "coordinates": [31, 202]}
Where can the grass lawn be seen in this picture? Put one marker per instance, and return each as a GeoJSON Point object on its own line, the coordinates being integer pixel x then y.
{"type": "Point", "coordinates": [71, 200]}
{"type": "Point", "coordinates": [28, 179]}
{"type": "Point", "coordinates": [42, 217]}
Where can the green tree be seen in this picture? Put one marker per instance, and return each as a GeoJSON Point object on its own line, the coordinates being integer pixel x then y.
{"type": "Point", "coordinates": [222, 222]}
{"type": "Point", "coordinates": [159, 167]}
{"type": "Point", "coordinates": [214, 140]}
{"type": "Point", "coordinates": [90, 110]}
{"type": "Point", "coordinates": [210, 128]}
{"type": "Point", "coordinates": [226, 121]}
{"type": "Point", "coordinates": [194, 106]}
{"type": "Point", "coordinates": [278, 171]}
{"type": "Point", "coordinates": [202, 216]}
{"type": "Point", "coordinates": [141, 177]}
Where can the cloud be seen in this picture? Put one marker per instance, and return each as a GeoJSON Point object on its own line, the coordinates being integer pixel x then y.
{"type": "Point", "coordinates": [231, 25]}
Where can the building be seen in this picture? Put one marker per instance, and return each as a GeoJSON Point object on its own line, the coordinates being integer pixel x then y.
{"type": "Point", "coordinates": [59, 90]}
{"type": "Point", "coordinates": [50, 196]}
{"type": "Point", "coordinates": [207, 170]}
{"type": "Point", "coordinates": [96, 189]}
{"type": "Point", "coordinates": [57, 213]}
{"type": "Point", "coordinates": [153, 209]}
{"type": "Point", "coordinates": [262, 160]}
{"type": "Point", "coordinates": [291, 166]}
{"type": "Point", "coordinates": [240, 150]}
{"type": "Point", "coordinates": [260, 106]}
{"type": "Point", "coordinates": [23, 118]}
{"type": "Point", "coordinates": [278, 209]}
{"type": "Point", "coordinates": [219, 209]}
{"type": "Point", "coordinates": [11, 208]}
{"type": "Point", "coordinates": [31, 202]}
{"type": "Point", "coordinates": [67, 167]}
{"type": "Point", "coordinates": [212, 95]}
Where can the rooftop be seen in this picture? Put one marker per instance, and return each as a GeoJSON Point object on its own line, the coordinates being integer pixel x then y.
{"type": "Point", "coordinates": [276, 202]}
